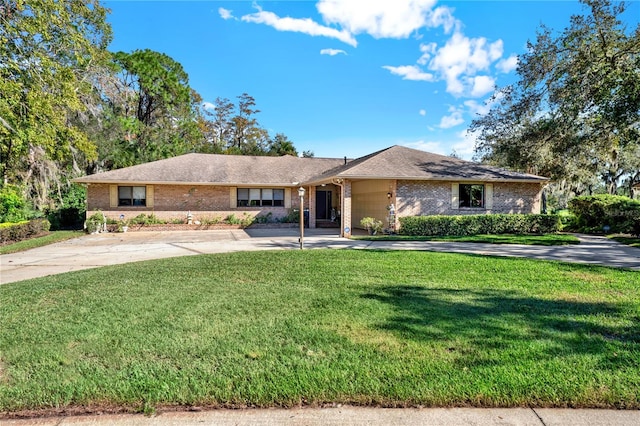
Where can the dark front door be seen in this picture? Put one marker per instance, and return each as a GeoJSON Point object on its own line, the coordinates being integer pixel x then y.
{"type": "Point", "coordinates": [323, 205]}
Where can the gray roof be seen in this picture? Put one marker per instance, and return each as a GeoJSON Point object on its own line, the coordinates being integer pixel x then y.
{"type": "Point", "coordinates": [201, 169]}
{"type": "Point", "coordinates": [396, 162]}
{"type": "Point", "coordinates": [399, 162]}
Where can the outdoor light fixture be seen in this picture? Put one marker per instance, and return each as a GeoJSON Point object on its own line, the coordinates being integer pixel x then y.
{"type": "Point", "coordinates": [301, 194]}
{"type": "Point", "coordinates": [389, 195]}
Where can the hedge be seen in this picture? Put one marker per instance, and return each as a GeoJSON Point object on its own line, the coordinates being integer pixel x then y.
{"type": "Point", "coordinates": [14, 232]}
{"type": "Point", "coordinates": [479, 224]}
{"type": "Point", "coordinates": [606, 213]}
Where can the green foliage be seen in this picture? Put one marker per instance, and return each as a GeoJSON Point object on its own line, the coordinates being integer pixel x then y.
{"type": "Point", "coordinates": [619, 214]}
{"type": "Point", "coordinates": [479, 224]}
{"type": "Point", "coordinates": [233, 220]}
{"type": "Point", "coordinates": [12, 204]}
{"type": "Point", "coordinates": [371, 224]}
{"type": "Point", "coordinates": [268, 218]}
{"type": "Point", "coordinates": [292, 217]}
{"type": "Point", "coordinates": [48, 48]}
{"type": "Point", "coordinates": [71, 211]}
{"type": "Point", "coordinates": [23, 230]}
{"type": "Point", "coordinates": [95, 222]}
{"type": "Point", "coordinates": [146, 219]}
{"type": "Point", "coordinates": [573, 114]}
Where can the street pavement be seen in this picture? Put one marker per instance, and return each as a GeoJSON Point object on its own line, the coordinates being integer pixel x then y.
{"type": "Point", "coordinates": [92, 251]}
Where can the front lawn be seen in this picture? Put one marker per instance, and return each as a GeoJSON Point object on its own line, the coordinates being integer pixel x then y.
{"type": "Point", "coordinates": [282, 328]}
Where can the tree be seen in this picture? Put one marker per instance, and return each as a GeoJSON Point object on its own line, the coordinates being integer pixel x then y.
{"type": "Point", "coordinates": [281, 145]}
{"type": "Point", "coordinates": [247, 136]}
{"type": "Point", "coordinates": [151, 108]}
{"type": "Point", "coordinates": [46, 49]}
{"type": "Point", "coordinates": [574, 114]}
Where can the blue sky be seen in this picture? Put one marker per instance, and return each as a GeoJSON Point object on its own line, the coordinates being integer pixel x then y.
{"type": "Point", "coordinates": [348, 77]}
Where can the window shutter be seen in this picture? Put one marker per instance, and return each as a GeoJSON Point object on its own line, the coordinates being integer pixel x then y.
{"type": "Point", "coordinates": [233, 197]}
{"type": "Point", "coordinates": [149, 195]}
{"type": "Point", "coordinates": [455, 196]}
{"type": "Point", "coordinates": [113, 195]}
{"type": "Point", "coordinates": [287, 198]}
{"type": "Point", "coordinates": [488, 196]}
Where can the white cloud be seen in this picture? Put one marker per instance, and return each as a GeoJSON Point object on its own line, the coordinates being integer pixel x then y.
{"type": "Point", "coordinates": [443, 16]}
{"type": "Point", "coordinates": [481, 85]}
{"type": "Point", "coordinates": [452, 120]}
{"type": "Point", "coordinates": [225, 13]}
{"type": "Point", "coordinates": [209, 106]}
{"type": "Point", "coordinates": [427, 52]}
{"type": "Point", "coordinates": [423, 112]}
{"type": "Point", "coordinates": [476, 108]}
{"type": "Point", "coordinates": [332, 52]}
{"type": "Point", "coordinates": [464, 57]}
{"type": "Point", "coordinates": [465, 146]}
{"type": "Point", "coordinates": [429, 146]}
{"type": "Point", "coordinates": [410, 72]}
{"type": "Point", "coordinates": [507, 65]}
{"type": "Point", "coordinates": [379, 18]}
{"type": "Point", "coordinates": [305, 26]}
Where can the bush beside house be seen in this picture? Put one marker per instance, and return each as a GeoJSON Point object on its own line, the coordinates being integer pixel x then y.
{"type": "Point", "coordinates": [479, 224]}
{"type": "Point", "coordinates": [606, 213]}
{"type": "Point", "coordinates": [14, 232]}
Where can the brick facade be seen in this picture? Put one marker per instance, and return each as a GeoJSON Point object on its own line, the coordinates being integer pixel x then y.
{"type": "Point", "coordinates": [418, 198]}
{"type": "Point", "coordinates": [174, 202]}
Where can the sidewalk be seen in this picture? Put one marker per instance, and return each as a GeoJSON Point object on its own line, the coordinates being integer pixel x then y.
{"type": "Point", "coordinates": [92, 251]}
{"type": "Point", "coordinates": [347, 415]}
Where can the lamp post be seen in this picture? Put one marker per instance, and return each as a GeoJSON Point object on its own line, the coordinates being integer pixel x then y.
{"type": "Point", "coordinates": [301, 194]}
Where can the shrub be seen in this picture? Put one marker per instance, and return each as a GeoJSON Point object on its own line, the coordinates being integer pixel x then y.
{"type": "Point", "coordinates": [12, 205]}
{"type": "Point", "coordinates": [479, 224]}
{"type": "Point", "coordinates": [94, 222]}
{"type": "Point", "coordinates": [603, 212]}
{"type": "Point", "coordinates": [12, 233]}
{"type": "Point", "coordinates": [146, 219]}
{"type": "Point", "coordinates": [371, 224]}
{"type": "Point", "coordinates": [264, 218]}
{"type": "Point", "coordinates": [292, 217]}
{"type": "Point", "coordinates": [71, 213]}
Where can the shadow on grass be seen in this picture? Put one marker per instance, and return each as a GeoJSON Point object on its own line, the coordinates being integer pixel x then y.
{"type": "Point", "coordinates": [477, 321]}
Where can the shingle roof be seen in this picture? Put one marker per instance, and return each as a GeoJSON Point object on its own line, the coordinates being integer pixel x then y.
{"type": "Point", "coordinates": [396, 162]}
{"type": "Point", "coordinates": [399, 162]}
{"type": "Point", "coordinates": [219, 169]}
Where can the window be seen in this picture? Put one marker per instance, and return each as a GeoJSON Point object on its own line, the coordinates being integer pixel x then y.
{"type": "Point", "coordinates": [258, 197]}
{"type": "Point", "coordinates": [132, 196]}
{"type": "Point", "coordinates": [472, 196]}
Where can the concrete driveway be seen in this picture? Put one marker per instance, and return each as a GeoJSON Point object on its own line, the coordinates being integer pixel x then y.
{"type": "Point", "coordinates": [93, 251]}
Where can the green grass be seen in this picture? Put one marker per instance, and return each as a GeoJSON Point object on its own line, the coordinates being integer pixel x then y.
{"type": "Point", "coordinates": [543, 240]}
{"type": "Point", "coordinates": [630, 241]}
{"type": "Point", "coordinates": [281, 328]}
{"type": "Point", "coordinates": [50, 238]}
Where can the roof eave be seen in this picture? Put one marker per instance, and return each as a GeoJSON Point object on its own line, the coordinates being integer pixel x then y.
{"type": "Point", "coordinates": [447, 179]}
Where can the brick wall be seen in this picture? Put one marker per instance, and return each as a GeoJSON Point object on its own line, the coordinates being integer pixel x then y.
{"type": "Point", "coordinates": [416, 198]}
{"type": "Point", "coordinates": [174, 202]}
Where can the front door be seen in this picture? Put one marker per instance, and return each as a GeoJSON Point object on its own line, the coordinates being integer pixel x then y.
{"type": "Point", "coordinates": [323, 205]}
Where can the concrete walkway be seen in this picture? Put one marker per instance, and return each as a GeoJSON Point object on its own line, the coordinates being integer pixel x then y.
{"type": "Point", "coordinates": [355, 416]}
{"type": "Point", "coordinates": [93, 251]}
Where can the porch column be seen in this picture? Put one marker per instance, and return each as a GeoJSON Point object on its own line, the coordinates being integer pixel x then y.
{"type": "Point", "coordinates": [312, 206]}
{"type": "Point", "coordinates": [346, 209]}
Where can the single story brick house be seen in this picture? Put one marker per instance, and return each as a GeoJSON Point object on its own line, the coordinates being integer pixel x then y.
{"type": "Point", "coordinates": [398, 180]}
